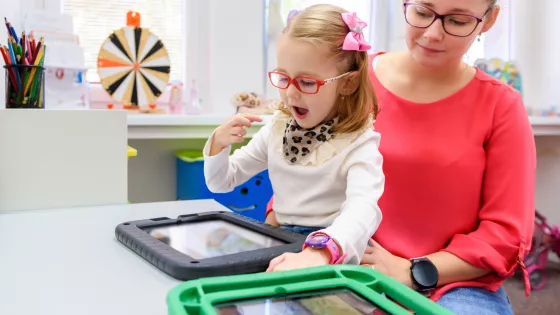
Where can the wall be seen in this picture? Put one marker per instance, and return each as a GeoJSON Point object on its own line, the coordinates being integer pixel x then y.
{"type": "Point", "coordinates": [529, 49]}
{"type": "Point", "coordinates": [235, 59]}
{"type": "Point", "coordinates": [535, 49]}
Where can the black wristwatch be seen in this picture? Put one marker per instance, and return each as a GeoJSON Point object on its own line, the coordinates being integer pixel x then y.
{"type": "Point", "coordinates": [424, 274]}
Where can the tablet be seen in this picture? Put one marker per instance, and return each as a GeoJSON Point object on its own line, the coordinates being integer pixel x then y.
{"type": "Point", "coordinates": [325, 290]}
{"type": "Point", "coordinates": [328, 302]}
{"type": "Point", "coordinates": [207, 244]}
{"type": "Point", "coordinates": [212, 238]}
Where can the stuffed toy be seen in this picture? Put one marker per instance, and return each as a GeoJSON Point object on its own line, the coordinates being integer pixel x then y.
{"type": "Point", "coordinates": [248, 102]}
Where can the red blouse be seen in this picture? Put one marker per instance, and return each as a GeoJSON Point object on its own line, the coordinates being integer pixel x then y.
{"type": "Point", "coordinates": [459, 177]}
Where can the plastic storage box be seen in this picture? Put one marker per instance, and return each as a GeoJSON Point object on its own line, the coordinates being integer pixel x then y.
{"type": "Point", "coordinates": [130, 151]}
{"type": "Point", "coordinates": [249, 199]}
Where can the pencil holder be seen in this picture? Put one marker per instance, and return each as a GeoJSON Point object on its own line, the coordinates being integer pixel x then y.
{"type": "Point", "coordinates": [25, 86]}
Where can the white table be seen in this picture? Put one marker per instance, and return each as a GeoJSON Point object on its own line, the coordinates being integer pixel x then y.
{"type": "Point", "coordinates": [67, 261]}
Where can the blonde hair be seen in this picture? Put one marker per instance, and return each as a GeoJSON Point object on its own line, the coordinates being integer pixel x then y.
{"type": "Point", "coordinates": [322, 24]}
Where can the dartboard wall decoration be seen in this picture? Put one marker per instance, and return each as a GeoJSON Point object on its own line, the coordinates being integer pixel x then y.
{"type": "Point", "coordinates": [133, 66]}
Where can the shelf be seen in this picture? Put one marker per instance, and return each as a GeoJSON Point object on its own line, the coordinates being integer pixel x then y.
{"type": "Point", "coordinates": [201, 126]}
{"type": "Point", "coordinates": [179, 126]}
{"type": "Point", "coordinates": [545, 126]}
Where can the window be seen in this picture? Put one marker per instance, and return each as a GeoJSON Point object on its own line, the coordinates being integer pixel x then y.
{"type": "Point", "coordinates": [476, 51]}
{"type": "Point", "coordinates": [498, 42]}
{"type": "Point", "coordinates": [94, 21]}
{"type": "Point", "coordinates": [281, 8]}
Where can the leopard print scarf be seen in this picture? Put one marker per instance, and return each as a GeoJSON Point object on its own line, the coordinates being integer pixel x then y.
{"type": "Point", "coordinates": [299, 142]}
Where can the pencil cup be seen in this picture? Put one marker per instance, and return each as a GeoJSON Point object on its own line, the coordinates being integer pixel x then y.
{"type": "Point", "coordinates": [25, 86]}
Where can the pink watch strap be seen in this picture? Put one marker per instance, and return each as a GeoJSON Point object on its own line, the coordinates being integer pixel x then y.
{"type": "Point", "coordinates": [332, 247]}
{"type": "Point", "coordinates": [336, 258]}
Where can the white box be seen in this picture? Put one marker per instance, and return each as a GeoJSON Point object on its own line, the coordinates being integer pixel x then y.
{"type": "Point", "coordinates": [58, 159]}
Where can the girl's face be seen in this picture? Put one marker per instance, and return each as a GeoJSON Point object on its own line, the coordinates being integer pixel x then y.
{"type": "Point", "coordinates": [435, 45]}
{"type": "Point", "coordinates": [306, 61]}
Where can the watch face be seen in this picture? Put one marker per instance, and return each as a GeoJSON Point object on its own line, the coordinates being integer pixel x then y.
{"type": "Point", "coordinates": [318, 240]}
{"type": "Point", "coordinates": [425, 274]}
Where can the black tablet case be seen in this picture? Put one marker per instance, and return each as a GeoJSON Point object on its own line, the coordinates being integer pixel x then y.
{"type": "Point", "coordinates": [183, 267]}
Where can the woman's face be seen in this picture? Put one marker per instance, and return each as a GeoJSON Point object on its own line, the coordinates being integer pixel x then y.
{"type": "Point", "coordinates": [434, 46]}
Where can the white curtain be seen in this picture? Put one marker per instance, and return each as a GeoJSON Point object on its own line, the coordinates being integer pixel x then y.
{"type": "Point", "coordinates": [535, 47]}
{"type": "Point", "coordinates": [380, 20]}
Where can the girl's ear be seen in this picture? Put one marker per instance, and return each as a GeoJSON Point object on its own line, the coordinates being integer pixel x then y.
{"type": "Point", "coordinates": [349, 84]}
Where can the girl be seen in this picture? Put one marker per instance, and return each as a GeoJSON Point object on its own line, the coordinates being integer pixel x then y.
{"type": "Point", "coordinates": [320, 148]}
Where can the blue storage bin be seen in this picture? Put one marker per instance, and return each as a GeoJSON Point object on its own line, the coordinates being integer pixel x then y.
{"type": "Point", "coordinates": [249, 199]}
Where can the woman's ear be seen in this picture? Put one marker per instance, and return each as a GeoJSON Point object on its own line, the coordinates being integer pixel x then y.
{"type": "Point", "coordinates": [490, 19]}
{"type": "Point", "coordinates": [350, 84]}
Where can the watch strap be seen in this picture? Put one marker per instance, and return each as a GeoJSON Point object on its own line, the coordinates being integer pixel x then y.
{"type": "Point", "coordinates": [333, 249]}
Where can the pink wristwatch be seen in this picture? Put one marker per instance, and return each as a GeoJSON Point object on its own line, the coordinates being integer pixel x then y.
{"type": "Point", "coordinates": [321, 240]}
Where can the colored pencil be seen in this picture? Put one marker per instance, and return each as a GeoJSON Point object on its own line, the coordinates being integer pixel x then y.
{"type": "Point", "coordinates": [37, 49]}
{"type": "Point", "coordinates": [7, 26]}
{"type": "Point", "coordinates": [23, 47]}
{"type": "Point", "coordinates": [14, 62]}
{"type": "Point", "coordinates": [38, 59]}
{"type": "Point", "coordinates": [7, 62]}
{"type": "Point", "coordinates": [14, 34]}
{"type": "Point", "coordinates": [33, 44]}
{"type": "Point", "coordinates": [29, 50]}
{"type": "Point", "coordinates": [36, 81]}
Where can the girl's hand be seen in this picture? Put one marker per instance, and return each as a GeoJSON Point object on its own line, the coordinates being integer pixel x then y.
{"type": "Point", "coordinates": [309, 257]}
{"type": "Point", "coordinates": [232, 131]}
{"type": "Point", "coordinates": [380, 259]}
{"type": "Point", "coordinates": [271, 219]}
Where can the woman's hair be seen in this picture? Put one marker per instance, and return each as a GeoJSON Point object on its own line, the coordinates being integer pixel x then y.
{"type": "Point", "coordinates": [323, 25]}
{"type": "Point", "coordinates": [492, 2]}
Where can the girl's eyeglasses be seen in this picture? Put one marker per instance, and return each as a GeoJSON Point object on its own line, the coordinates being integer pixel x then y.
{"type": "Point", "coordinates": [304, 84]}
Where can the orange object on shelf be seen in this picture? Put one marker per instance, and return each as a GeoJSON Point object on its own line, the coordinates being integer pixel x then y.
{"type": "Point", "coordinates": [133, 19]}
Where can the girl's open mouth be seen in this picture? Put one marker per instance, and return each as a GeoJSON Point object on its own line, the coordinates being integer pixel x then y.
{"type": "Point", "coordinates": [300, 112]}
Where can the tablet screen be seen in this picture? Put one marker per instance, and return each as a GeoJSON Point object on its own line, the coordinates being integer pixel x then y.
{"type": "Point", "coordinates": [332, 303]}
{"type": "Point", "coordinates": [212, 238]}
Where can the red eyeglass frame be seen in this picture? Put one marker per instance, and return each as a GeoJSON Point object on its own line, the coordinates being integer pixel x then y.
{"type": "Point", "coordinates": [294, 80]}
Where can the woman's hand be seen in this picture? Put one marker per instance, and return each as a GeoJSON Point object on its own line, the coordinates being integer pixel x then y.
{"type": "Point", "coordinates": [388, 264]}
{"type": "Point", "coordinates": [232, 131]}
{"type": "Point", "coordinates": [309, 257]}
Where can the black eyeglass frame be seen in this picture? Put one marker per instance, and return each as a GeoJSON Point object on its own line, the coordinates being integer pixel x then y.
{"type": "Point", "coordinates": [442, 18]}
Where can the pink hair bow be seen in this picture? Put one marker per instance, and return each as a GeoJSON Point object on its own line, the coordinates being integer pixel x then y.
{"type": "Point", "coordinates": [355, 39]}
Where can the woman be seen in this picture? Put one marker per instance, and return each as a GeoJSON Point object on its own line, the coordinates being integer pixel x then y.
{"type": "Point", "coordinates": [459, 160]}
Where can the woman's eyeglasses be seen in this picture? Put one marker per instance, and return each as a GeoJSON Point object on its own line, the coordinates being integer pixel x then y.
{"type": "Point", "coordinates": [304, 84]}
{"type": "Point", "coordinates": [461, 25]}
